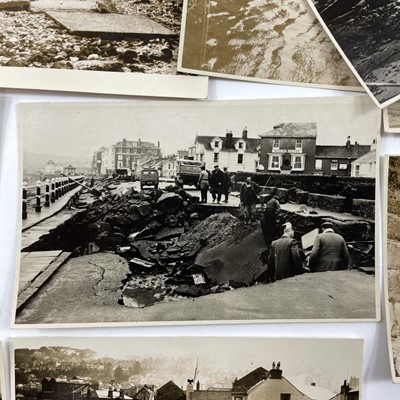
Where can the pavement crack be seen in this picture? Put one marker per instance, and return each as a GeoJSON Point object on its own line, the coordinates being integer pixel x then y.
{"type": "Point", "coordinates": [103, 271]}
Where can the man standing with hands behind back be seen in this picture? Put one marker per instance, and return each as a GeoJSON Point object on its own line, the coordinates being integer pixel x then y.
{"type": "Point", "coordinates": [329, 252]}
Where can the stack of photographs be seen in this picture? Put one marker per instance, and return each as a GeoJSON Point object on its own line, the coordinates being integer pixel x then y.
{"type": "Point", "coordinates": [176, 209]}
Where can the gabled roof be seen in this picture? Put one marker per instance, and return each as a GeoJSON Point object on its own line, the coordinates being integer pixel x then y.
{"type": "Point", "coordinates": [315, 392]}
{"type": "Point", "coordinates": [170, 391]}
{"type": "Point", "coordinates": [353, 152]}
{"type": "Point", "coordinates": [367, 158]}
{"type": "Point", "coordinates": [251, 379]}
{"type": "Point", "coordinates": [251, 143]}
{"type": "Point", "coordinates": [293, 130]}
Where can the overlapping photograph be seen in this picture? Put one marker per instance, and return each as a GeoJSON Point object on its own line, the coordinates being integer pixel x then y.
{"type": "Point", "coordinates": [392, 268]}
{"type": "Point", "coordinates": [95, 46]}
{"type": "Point", "coordinates": [391, 118]}
{"type": "Point", "coordinates": [366, 35]}
{"type": "Point", "coordinates": [264, 41]}
{"type": "Point", "coordinates": [233, 211]}
{"type": "Point", "coordinates": [2, 376]}
{"type": "Point", "coordinates": [186, 368]}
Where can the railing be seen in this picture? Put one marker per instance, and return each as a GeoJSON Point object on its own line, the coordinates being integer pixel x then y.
{"type": "Point", "coordinates": [43, 194]}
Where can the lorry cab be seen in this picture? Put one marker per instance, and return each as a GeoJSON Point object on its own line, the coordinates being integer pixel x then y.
{"type": "Point", "coordinates": [149, 177]}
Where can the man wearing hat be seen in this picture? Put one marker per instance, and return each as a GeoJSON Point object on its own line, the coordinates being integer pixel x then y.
{"type": "Point", "coordinates": [329, 252]}
{"type": "Point", "coordinates": [217, 179]}
{"type": "Point", "coordinates": [284, 260]}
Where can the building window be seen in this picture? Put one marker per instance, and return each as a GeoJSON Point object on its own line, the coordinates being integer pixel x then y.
{"type": "Point", "coordinates": [120, 157]}
{"type": "Point", "coordinates": [238, 398]}
{"type": "Point", "coordinates": [240, 145]}
{"type": "Point", "coordinates": [334, 165]}
{"type": "Point", "coordinates": [274, 163]}
{"type": "Point", "coordinates": [299, 144]}
{"type": "Point", "coordinates": [216, 144]}
{"type": "Point", "coordinates": [318, 165]}
{"type": "Point", "coordinates": [357, 170]}
{"type": "Point", "coordinates": [240, 158]}
{"type": "Point", "coordinates": [275, 144]}
{"type": "Point", "coordinates": [201, 158]}
{"type": "Point", "coordinates": [343, 166]}
{"type": "Point", "coordinates": [298, 163]}
{"type": "Point", "coordinates": [216, 157]}
{"type": "Point", "coordinates": [286, 396]}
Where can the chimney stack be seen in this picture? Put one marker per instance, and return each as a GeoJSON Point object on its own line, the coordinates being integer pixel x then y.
{"type": "Point", "coordinates": [189, 389]}
{"type": "Point", "coordinates": [348, 144]}
{"type": "Point", "coordinates": [110, 393]}
{"type": "Point", "coordinates": [275, 372]}
{"type": "Point", "coordinates": [244, 134]}
{"type": "Point", "coordinates": [229, 140]}
{"type": "Point", "coordinates": [198, 385]}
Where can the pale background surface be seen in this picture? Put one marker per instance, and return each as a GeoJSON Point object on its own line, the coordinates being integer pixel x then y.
{"type": "Point", "coordinates": [377, 378]}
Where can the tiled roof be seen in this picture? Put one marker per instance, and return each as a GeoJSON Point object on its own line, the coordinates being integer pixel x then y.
{"type": "Point", "coordinates": [293, 129]}
{"type": "Point", "coordinates": [251, 379]}
{"type": "Point", "coordinates": [251, 143]}
{"type": "Point", "coordinates": [353, 152]}
{"type": "Point", "coordinates": [367, 158]}
{"type": "Point", "coordinates": [170, 391]}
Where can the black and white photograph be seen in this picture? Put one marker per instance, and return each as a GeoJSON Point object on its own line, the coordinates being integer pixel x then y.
{"type": "Point", "coordinates": [62, 45]}
{"type": "Point", "coordinates": [2, 380]}
{"type": "Point", "coordinates": [391, 118]}
{"type": "Point", "coordinates": [234, 211]}
{"type": "Point", "coordinates": [191, 368]}
{"type": "Point", "coordinates": [365, 33]}
{"type": "Point", "coordinates": [264, 41]}
{"type": "Point", "coordinates": [392, 266]}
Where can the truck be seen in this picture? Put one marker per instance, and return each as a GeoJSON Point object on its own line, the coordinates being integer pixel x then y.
{"type": "Point", "coordinates": [188, 172]}
{"type": "Point", "coordinates": [149, 177]}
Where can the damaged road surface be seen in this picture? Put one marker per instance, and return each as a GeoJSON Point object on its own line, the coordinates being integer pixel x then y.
{"type": "Point", "coordinates": [148, 256]}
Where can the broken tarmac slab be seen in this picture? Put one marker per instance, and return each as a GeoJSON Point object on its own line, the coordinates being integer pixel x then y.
{"type": "Point", "coordinates": [82, 294]}
{"type": "Point", "coordinates": [109, 25]}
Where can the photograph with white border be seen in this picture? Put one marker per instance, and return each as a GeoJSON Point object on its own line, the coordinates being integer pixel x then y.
{"type": "Point", "coordinates": [95, 46]}
{"type": "Point", "coordinates": [221, 213]}
{"type": "Point", "coordinates": [186, 368]}
{"type": "Point", "coordinates": [365, 34]}
{"type": "Point", "coordinates": [261, 41]}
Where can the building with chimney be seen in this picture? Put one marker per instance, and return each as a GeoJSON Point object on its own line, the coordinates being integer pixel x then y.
{"type": "Point", "coordinates": [289, 148]}
{"type": "Point", "coordinates": [365, 166]}
{"type": "Point", "coordinates": [262, 384]}
{"type": "Point", "coordinates": [124, 157]}
{"type": "Point", "coordinates": [235, 153]}
{"type": "Point", "coordinates": [349, 390]}
{"type": "Point", "coordinates": [67, 389]}
{"type": "Point", "coordinates": [337, 160]}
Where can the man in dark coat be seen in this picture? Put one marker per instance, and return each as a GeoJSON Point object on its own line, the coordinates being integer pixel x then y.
{"type": "Point", "coordinates": [284, 260]}
{"type": "Point", "coordinates": [216, 183]}
{"type": "Point", "coordinates": [248, 198]}
{"type": "Point", "coordinates": [329, 252]}
{"type": "Point", "coordinates": [268, 224]}
{"type": "Point", "coordinates": [227, 184]}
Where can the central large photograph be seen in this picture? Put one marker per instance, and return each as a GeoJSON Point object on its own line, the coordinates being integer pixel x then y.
{"type": "Point", "coordinates": [227, 211]}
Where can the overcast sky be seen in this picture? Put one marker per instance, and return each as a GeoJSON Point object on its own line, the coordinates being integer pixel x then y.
{"type": "Point", "coordinates": [79, 129]}
{"type": "Point", "coordinates": [328, 360]}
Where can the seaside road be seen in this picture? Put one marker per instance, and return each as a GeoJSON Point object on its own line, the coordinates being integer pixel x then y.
{"type": "Point", "coordinates": [86, 290]}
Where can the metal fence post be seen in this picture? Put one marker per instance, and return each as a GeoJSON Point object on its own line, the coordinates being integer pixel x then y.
{"type": "Point", "coordinates": [53, 195]}
{"type": "Point", "coordinates": [38, 207]}
{"type": "Point", "coordinates": [24, 200]}
{"type": "Point", "coordinates": [47, 198]}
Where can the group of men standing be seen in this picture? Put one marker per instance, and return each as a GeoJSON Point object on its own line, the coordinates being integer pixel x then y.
{"type": "Point", "coordinates": [217, 182]}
